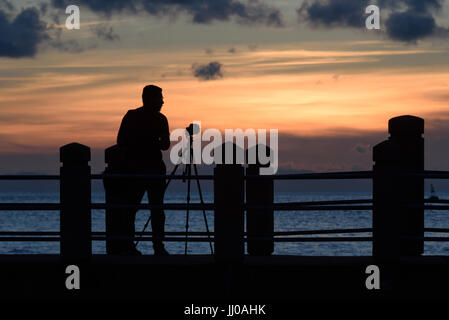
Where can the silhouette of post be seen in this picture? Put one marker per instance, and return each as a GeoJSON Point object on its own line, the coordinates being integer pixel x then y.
{"type": "Point", "coordinates": [259, 222]}
{"type": "Point", "coordinates": [229, 213]}
{"type": "Point", "coordinates": [75, 194]}
{"type": "Point", "coordinates": [396, 191]}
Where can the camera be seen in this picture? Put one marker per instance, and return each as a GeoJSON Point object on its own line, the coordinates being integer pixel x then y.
{"type": "Point", "coordinates": [193, 129]}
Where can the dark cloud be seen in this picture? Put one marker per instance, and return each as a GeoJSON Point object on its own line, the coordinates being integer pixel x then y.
{"type": "Point", "coordinates": [232, 50]}
{"type": "Point", "coordinates": [409, 21]}
{"type": "Point", "coordinates": [210, 71]}
{"type": "Point", "coordinates": [410, 26]}
{"type": "Point", "coordinates": [25, 32]}
{"type": "Point", "coordinates": [417, 22]}
{"type": "Point", "coordinates": [105, 32]}
{"type": "Point", "coordinates": [252, 12]}
{"type": "Point", "coordinates": [330, 13]}
{"type": "Point", "coordinates": [21, 35]}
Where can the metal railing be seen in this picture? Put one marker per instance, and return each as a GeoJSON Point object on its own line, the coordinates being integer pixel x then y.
{"type": "Point", "coordinates": [397, 204]}
{"type": "Point", "coordinates": [279, 236]}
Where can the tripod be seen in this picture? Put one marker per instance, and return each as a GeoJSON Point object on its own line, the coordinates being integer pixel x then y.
{"type": "Point", "coordinates": [187, 173]}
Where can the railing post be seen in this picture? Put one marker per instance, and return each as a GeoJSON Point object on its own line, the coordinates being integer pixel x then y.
{"type": "Point", "coordinates": [259, 222]}
{"type": "Point", "coordinates": [75, 194]}
{"type": "Point", "coordinates": [394, 192]}
{"type": "Point", "coordinates": [229, 213]}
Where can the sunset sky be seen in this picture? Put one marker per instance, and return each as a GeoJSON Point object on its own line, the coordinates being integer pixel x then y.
{"type": "Point", "coordinates": [308, 68]}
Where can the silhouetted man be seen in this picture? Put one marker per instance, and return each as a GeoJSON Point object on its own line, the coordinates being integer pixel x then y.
{"type": "Point", "coordinates": [143, 134]}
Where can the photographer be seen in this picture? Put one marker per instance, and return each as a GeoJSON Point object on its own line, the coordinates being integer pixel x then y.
{"type": "Point", "coordinates": [143, 134]}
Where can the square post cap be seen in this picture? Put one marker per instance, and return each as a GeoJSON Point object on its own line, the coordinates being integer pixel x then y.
{"type": "Point", "coordinates": [74, 153]}
{"type": "Point", "coordinates": [406, 125]}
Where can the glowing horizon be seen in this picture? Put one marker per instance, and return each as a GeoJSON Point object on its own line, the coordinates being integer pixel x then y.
{"type": "Point", "coordinates": [59, 103]}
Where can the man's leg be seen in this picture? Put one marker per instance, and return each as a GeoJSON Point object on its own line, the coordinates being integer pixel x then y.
{"type": "Point", "coordinates": [133, 195]}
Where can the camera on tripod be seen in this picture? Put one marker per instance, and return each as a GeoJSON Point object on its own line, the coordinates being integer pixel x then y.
{"type": "Point", "coordinates": [193, 129]}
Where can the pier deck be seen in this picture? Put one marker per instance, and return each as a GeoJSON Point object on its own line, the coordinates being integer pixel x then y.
{"type": "Point", "coordinates": [198, 277]}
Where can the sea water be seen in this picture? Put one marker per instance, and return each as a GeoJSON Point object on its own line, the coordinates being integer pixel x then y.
{"type": "Point", "coordinates": [176, 221]}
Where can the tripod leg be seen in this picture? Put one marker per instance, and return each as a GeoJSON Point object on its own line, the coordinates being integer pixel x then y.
{"type": "Point", "coordinates": [188, 208]}
{"type": "Point", "coordinates": [170, 178]}
{"type": "Point", "coordinates": [204, 211]}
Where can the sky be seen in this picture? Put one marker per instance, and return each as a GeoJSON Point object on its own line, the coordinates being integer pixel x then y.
{"type": "Point", "coordinates": [310, 69]}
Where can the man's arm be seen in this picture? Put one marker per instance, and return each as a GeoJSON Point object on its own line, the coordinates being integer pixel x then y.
{"type": "Point", "coordinates": [165, 135]}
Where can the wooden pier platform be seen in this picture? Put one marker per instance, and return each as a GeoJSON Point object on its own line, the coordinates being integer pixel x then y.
{"type": "Point", "coordinates": [199, 278]}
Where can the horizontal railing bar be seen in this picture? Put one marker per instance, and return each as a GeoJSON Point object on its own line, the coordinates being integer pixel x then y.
{"type": "Point", "coordinates": [206, 239]}
{"type": "Point", "coordinates": [168, 239]}
{"type": "Point", "coordinates": [329, 231]}
{"type": "Point", "coordinates": [428, 239]}
{"type": "Point", "coordinates": [30, 206]}
{"type": "Point", "coordinates": [285, 239]}
{"type": "Point", "coordinates": [430, 207]}
{"type": "Point", "coordinates": [436, 201]}
{"type": "Point", "coordinates": [179, 206]}
{"type": "Point", "coordinates": [30, 239]}
{"type": "Point", "coordinates": [97, 206]}
{"type": "Point", "coordinates": [428, 174]}
{"type": "Point", "coordinates": [314, 239]}
{"type": "Point", "coordinates": [314, 176]}
{"type": "Point", "coordinates": [440, 230]}
{"type": "Point", "coordinates": [306, 203]}
{"type": "Point", "coordinates": [203, 239]}
{"type": "Point", "coordinates": [289, 206]}
{"type": "Point", "coordinates": [29, 233]}
{"type": "Point", "coordinates": [122, 176]}
{"type": "Point", "coordinates": [346, 239]}
{"type": "Point", "coordinates": [96, 238]}
{"type": "Point", "coordinates": [294, 207]}
{"type": "Point", "coordinates": [57, 233]}
{"type": "Point", "coordinates": [431, 174]}
{"type": "Point", "coordinates": [192, 233]}
{"type": "Point", "coordinates": [176, 206]}
{"type": "Point", "coordinates": [167, 206]}
{"type": "Point", "coordinates": [29, 177]}
{"type": "Point", "coordinates": [211, 206]}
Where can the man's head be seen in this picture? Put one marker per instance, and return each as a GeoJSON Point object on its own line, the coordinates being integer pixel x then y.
{"type": "Point", "coordinates": [152, 97]}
